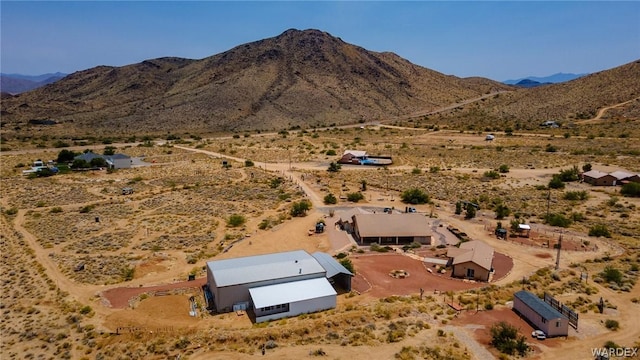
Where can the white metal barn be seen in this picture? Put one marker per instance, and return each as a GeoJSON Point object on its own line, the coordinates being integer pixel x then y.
{"type": "Point", "coordinates": [540, 314]}
{"type": "Point", "coordinates": [276, 285]}
{"type": "Point", "coordinates": [292, 298]}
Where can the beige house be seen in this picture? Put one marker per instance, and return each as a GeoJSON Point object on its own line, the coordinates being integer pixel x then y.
{"type": "Point", "coordinates": [391, 229]}
{"type": "Point", "coordinates": [599, 178]}
{"type": "Point", "coordinates": [472, 260]}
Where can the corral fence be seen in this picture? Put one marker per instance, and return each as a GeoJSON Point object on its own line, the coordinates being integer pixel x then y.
{"type": "Point", "coordinates": [563, 309]}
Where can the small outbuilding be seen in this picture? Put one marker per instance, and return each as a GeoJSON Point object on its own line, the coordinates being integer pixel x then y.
{"type": "Point", "coordinates": [473, 260]}
{"type": "Point", "coordinates": [353, 157]}
{"type": "Point", "coordinates": [540, 314]}
{"type": "Point", "coordinates": [599, 178]}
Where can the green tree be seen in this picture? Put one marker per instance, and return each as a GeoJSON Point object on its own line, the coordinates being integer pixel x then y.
{"type": "Point", "coordinates": [631, 189]}
{"type": "Point", "coordinates": [334, 167]}
{"type": "Point", "coordinates": [556, 182]}
{"type": "Point", "coordinates": [346, 262]}
{"type": "Point", "coordinates": [98, 162]}
{"type": "Point", "coordinates": [65, 156]}
{"type": "Point", "coordinates": [300, 208]}
{"type": "Point", "coordinates": [506, 339]}
{"type": "Point", "coordinates": [586, 167]}
{"type": "Point", "coordinates": [470, 211]}
{"type": "Point", "coordinates": [79, 164]}
{"type": "Point", "coordinates": [355, 197]}
{"type": "Point", "coordinates": [502, 211]}
{"type": "Point", "coordinates": [611, 274]}
{"type": "Point", "coordinates": [330, 199]}
{"type": "Point", "coordinates": [458, 208]}
{"type": "Point", "coordinates": [414, 196]}
{"type": "Point", "coordinates": [109, 150]}
{"type": "Point", "coordinates": [236, 220]}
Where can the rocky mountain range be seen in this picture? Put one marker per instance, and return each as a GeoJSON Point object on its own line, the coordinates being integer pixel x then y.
{"type": "Point", "coordinates": [18, 83]}
{"type": "Point", "coordinates": [297, 79]}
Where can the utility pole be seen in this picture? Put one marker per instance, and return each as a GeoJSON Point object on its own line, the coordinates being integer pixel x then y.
{"type": "Point", "coordinates": [558, 256]}
{"type": "Point", "coordinates": [548, 203]}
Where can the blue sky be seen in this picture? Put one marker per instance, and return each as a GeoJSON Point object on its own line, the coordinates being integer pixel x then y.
{"type": "Point", "coordinates": [499, 39]}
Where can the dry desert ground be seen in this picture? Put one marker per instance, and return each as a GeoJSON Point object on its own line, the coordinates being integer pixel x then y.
{"type": "Point", "coordinates": [89, 273]}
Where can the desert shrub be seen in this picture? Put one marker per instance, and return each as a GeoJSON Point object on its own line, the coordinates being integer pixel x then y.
{"type": "Point", "coordinates": [330, 152]}
{"type": "Point", "coordinates": [612, 324]}
{"type": "Point", "coordinates": [128, 273]}
{"type": "Point", "coordinates": [611, 274]}
{"type": "Point", "coordinates": [56, 210]}
{"type": "Point", "coordinates": [502, 211]}
{"type": "Point", "coordinates": [416, 171]}
{"type": "Point", "coordinates": [491, 174]}
{"type": "Point", "coordinates": [334, 167]}
{"type": "Point", "coordinates": [275, 183]}
{"type": "Point", "coordinates": [557, 220]}
{"type": "Point", "coordinates": [569, 175]}
{"type": "Point", "coordinates": [346, 262]}
{"type": "Point", "coordinates": [575, 195]}
{"type": "Point", "coordinates": [330, 199]}
{"type": "Point", "coordinates": [236, 220]}
{"type": "Point", "coordinates": [470, 211]}
{"type": "Point", "coordinates": [248, 163]}
{"type": "Point", "coordinates": [600, 230]}
{"type": "Point", "coordinates": [556, 182]}
{"type": "Point", "coordinates": [586, 167]}
{"type": "Point", "coordinates": [414, 196]}
{"type": "Point", "coordinates": [11, 211]}
{"type": "Point", "coordinates": [631, 189]}
{"type": "Point", "coordinates": [300, 208]}
{"type": "Point", "coordinates": [355, 197]}
{"type": "Point", "coordinates": [505, 338]}
{"type": "Point", "coordinates": [503, 169]}
{"type": "Point", "coordinates": [550, 148]}
{"type": "Point", "coordinates": [434, 169]}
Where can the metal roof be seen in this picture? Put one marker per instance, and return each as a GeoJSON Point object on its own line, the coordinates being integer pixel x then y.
{"type": "Point", "coordinates": [538, 305]}
{"type": "Point", "coordinates": [392, 225]}
{"type": "Point", "coordinates": [290, 292]}
{"type": "Point", "coordinates": [330, 264]}
{"type": "Point", "coordinates": [595, 174]}
{"type": "Point", "coordinates": [356, 153]}
{"type": "Point", "coordinates": [250, 269]}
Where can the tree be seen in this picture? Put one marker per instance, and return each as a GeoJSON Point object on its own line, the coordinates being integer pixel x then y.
{"type": "Point", "coordinates": [611, 274]}
{"type": "Point", "coordinates": [515, 225]}
{"type": "Point", "coordinates": [355, 197]}
{"type": "Point", "coordinates": [334, 167]}
{"type": "Point", "coordinates": [586, 167]}
{"type": "Point", "coordinates": [330, 199]}
{"type": "Point", "coordinates": [109, 150]}
{"type": "Point", "coordinates": [502, 211]}
{"type": "Point", "coordinates": [458, 208]}
{"type": "Point", "coordinates": [631, 189]}
{"type": "Point", "coordinates": [557, 220]}
{"type": "Point", "coordinates": [98, 162]}
{"type": "Point", "coordinates": [600, 230]}
{"type": "Point", "coordinates": [414, 196]}
{"type": "Point", "coordinates": [300, 208]}
{"type": "Point", "coordinates": [79, 164]}
{"type": "Point", "coordinates": [505, 338]}
{"type": "Point", "coordinates": [346, 262]}
{"type": "Point", "coordinates": [470, 211]}
{"type": "Point", "coordinates": [65, 156]}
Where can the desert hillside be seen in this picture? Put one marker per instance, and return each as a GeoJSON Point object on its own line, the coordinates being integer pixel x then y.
{"type": "Point", "coordinates": [299, 78]}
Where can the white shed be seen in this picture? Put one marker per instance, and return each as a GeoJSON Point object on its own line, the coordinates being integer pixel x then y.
{"type": "Point", "coordinates": [292, 298]}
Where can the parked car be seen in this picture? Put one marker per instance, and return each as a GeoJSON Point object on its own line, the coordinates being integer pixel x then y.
{"type": "Point", "coordinates": [539, 334]}
{"type": "Point", "coordinates": [411, 210]}
{"type": "Point", "coordinates": [387, 210]}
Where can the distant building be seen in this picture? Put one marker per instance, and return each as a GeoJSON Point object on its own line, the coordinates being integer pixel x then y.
{"type": "Point", "coordinates": [353, 157]}
{"type": "Point", "coordinates": [540, 314]}
{"type": "Point", "coordinates": [624, 177]}
{"type": "Point", "coordinates": [391, 229]}
{"type": "Point", "coordinates": [277, 285]}
{"type": "Point", "coordinates": [599, 178]}
{"type": "Point", "coordinates": [473, 260]}
{"type": "Point", "coordinates": [115, 161]}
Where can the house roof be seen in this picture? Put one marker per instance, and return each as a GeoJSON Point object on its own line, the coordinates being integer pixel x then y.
{"type": "Point", "coordinates": [88, 156]}
{"type": "Point", "coordinates": [347, 215]}
{"type": "Point", "coordinates": [392, 225]}
{"type": "Point", "coordinates": [251, 269]}
{"type": "Point", "coordinates": [524, 226]}
{"type": "Point", "coordinates": [290, 292]}
{"type": "Point", "coordinates": [330, 264]}
{"type": "Point", "coordinates": [356, 153]}
{"type": "Point", "coordinates": [538, 305]}
{"type": "Point", "coordinates": [621, 175]}
{"type": "Point", "coordinates": [119, 156]}
{"type": "Point", "coordinates": [473, 251]}
{"type": "Point", "coordinates": [596, 174]}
